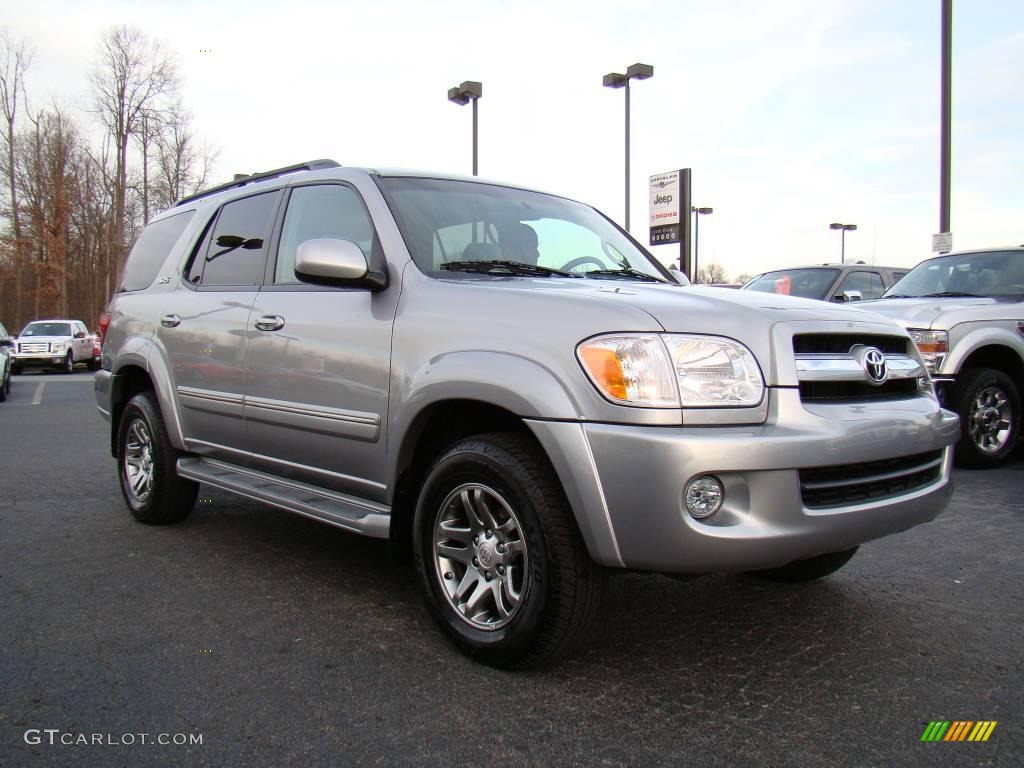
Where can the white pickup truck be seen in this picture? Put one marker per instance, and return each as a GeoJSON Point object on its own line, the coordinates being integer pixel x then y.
{"type": "Point", "coordinates": [54, 344]}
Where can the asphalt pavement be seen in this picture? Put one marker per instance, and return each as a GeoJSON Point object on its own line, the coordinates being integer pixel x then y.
{"type": "Point", "coordinates": [279, 641]}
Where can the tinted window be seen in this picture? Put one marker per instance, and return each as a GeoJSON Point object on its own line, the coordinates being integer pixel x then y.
{"type": "Point", "coordinates": [808, 283]}
{"type": "Point", "coordinates": [151, 250]}
{"type": "Point", "coordinates": [321, 211]}
{"type": "Point", "coordinates": [869, 284]}
{"type": "Point", "coordinates": [234, 251]}
{"type": "Point", "coordinates": [47, 329]}
{"type": "Point", "coordinates": [997, 273]}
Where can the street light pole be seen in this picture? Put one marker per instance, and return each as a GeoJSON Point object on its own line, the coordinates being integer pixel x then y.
{"type": "Point", "coordinates": [843, 229]}
{"type": "Point", "coordinates": [946, 106]}
{"type": "Point", "coordinates": [619, 80]}
{"type": "Point", "coordinates": [469, 90]}
{"type": "Point", "coordinates": [697, 213]}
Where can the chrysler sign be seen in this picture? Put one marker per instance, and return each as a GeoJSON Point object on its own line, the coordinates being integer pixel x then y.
{"type": "Point", "coordinates": [665, 198]}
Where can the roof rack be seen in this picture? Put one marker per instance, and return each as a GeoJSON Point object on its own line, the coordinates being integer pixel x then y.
{"type": "Point", "coordinates": [241, 181]}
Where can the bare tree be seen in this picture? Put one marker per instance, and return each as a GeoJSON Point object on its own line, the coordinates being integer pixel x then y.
{"type": "Point", "coordinates": [133, 76]}
{"type": "Point", "coordinates": [712, 273]}
{"type": "Point", "coordinates": [742, 277]}
{"type": "Point", "coordinates": [183, 165]}
{"type": "Point", "coordinates": [15, 59]}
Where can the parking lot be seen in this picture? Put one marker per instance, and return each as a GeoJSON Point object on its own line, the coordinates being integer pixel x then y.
{"type": "Point", "coordinates": [282, 641]}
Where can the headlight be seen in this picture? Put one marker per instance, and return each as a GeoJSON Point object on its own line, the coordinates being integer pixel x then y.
{"type": "Point", "coordinates": [933, 346]}
{"type": "Point", "coordinates": [630, 369]}
{"type": "Point", "coordinates": [57, 347]}
{"type": "Point", "coordinates": [672, 370]}
{"type": "Point", "coordinates": [713, 371]}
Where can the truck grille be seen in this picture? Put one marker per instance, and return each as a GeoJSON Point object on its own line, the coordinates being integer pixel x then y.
{"type": "Point", "coordinates": [842, 343]}
{"type": "Point", "coordinates": [833, 367]}
{"type": "Point", "coordinates": [825, 391]}
{"type": "Point", "coordinates": [34, 346]}
{"type": "Point", "coordinates": [840, 486]}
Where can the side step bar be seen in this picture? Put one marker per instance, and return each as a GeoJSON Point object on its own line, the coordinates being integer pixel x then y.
{"type": "Point", "coordinates": [337, 509]}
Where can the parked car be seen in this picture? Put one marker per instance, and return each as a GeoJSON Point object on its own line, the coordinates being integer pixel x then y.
{"type": "Point", "coordinates": [511, 390]}
{"type": "Point", "coordinates": [829, 282]}
{"type": "Point", "coordinates": [965, 312]}
{"type": "Point", "coordinates": [6, 362]}
{"type": "Point", "coordinates": [55, 344]}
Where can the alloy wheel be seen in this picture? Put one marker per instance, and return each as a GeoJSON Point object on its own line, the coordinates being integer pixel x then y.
{"type": "Point", "coordinates": [990, 420]}
{"type": "Point", "coordinates": [480, 556]}
{"type": "Point", "coordinates": [138, 461]}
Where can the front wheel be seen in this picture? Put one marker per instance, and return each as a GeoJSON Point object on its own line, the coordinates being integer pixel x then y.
{"type": "Point", "coordinates": [147, 461]}
{"type": "Point", "coordinates": [68, 366]}
{"type": "Point", "coordinates": [808, 570]}
{"type": "Point", "coordinates": [989, 407]}
{"type": "Point", "coordinates": [505, 571]}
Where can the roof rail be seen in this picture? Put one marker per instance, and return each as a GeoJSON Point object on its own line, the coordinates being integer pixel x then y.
{"type": "Point", "coordinates": [241, 181]}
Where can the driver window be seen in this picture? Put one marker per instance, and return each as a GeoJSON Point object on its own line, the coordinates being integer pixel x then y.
{"type": "Point", "coordinates": [325, 210]}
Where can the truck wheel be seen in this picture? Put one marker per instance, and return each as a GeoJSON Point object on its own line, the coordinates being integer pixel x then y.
{"type": "Point", "coordinates": [146, 461]}
{"type": "Point", "coordinates": [15, 370]}
{"type": "Point", "coordinates": [5, 387]}
{"type": "Point", "coordinates": [91, 365]}
{"type": "Point", "coordinates": [504, 568]}
{"type": "Point", "coordinates": [989, 408]}
{"type": "Point", "coordinates": [808, 570]}
{"type": "Point", "coordinates": [69, 364]}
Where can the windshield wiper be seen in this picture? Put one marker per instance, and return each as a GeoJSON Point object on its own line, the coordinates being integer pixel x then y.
{"type": "Point", "coordinates": [943, 294]}
{"type": "Point", "coordinates": [626, 272]}
{"type": "Point", "coordinates": [899, 296]}
{"type": "Point", "coordinates": [501, 267]}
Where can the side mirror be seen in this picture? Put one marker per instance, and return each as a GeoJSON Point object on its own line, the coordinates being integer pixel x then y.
{"type": "Point", "coordinates": [680, 277]}
{"type": "Point", "coordinates": [80, 335]}
{"type": "Point", "coordinates": [328, 261]}
{"type": "Point", "coordinates": [6, 342]}
{"type": "Point", "coordinates": [850, 296]}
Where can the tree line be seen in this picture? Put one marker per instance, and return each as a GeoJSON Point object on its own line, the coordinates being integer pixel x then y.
{"type": "Point", "coordinates": [78, 185]}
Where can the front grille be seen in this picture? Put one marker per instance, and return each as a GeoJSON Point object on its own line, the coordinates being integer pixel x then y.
{"type": "Point", "coordinates": [842, 343]}
{"type": "Point", "coordinates": [840, 486]}
{"type": "Point", "coordinates": [36, 346]}
{"type": "Point", "coordinates": [834, 391]}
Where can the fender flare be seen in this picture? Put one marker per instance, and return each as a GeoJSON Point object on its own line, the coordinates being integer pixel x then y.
{"type": "Point", "coordinates": [142, 352]}
{"type": "Point", "coordinates": [978, 338]}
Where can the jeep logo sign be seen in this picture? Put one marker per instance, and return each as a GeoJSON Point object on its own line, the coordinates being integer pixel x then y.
{"type": "Point", "coordinates": [664, 194]}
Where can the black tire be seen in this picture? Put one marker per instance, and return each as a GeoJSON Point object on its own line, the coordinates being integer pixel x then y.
{"type": "Point", "coordinates": [91, 365]}
{"type": "Point", "coordinates": [69, 364]}
{"type": "Point", "coordinates": [808, 570]}
{"type": "Point", "coordinates": [15, 370]}
{"type": "Point", "coordinates": [170, 497]}
{"type": "Point", "coordinates": [978, 448]}
{"type": "Point", "coordinates": [5, 387]}
{"type": "Point", "coordinates": [562, 592]}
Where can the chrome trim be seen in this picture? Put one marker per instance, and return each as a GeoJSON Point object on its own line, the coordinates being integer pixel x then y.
{"type": "Point", "coordinates": [359, 425]}
{"type": "Point", "coordinates": [305, 467]}
{"type": "Point", "coordinates": [825, 367]}
{"type": "Point", "coordinates": [206, 394]}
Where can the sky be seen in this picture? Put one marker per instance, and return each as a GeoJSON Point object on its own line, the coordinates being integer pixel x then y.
{"type": "Point", "coordinates": [791, 114]}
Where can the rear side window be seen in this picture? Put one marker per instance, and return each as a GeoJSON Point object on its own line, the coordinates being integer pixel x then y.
{"type": "Point", "coordinates": [234, 250]}
{"type": "Point", "coordinates": [151, 250]}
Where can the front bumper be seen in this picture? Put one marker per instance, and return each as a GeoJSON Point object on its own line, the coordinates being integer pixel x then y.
{"type": "Point", "coordinates": [626, 483]}
{"type": "Point", "coordinates": [38, 359]}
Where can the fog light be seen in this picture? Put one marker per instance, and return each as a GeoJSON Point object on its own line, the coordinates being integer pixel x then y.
{"type": "Point", "coordinates": [703, 496]}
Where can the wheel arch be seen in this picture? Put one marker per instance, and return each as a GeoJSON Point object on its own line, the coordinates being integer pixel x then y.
{"type": "Point", "coordinates": [139, 368]}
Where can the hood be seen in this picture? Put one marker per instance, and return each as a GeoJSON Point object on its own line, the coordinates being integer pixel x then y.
{"type": "Point", "coordinates": [929, 313]}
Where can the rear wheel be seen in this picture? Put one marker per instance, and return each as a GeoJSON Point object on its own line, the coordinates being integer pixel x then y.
{"type": "Point", "coordinates": [500, 559]}
{"type": "Point", "coordinates": [91, 365]}
{"type": "Point", "coordinates": [146, 461]}
{"type": "Point", "coordinates": [989, 407]}
{"type": "Point", "coordinates": [808, 570]}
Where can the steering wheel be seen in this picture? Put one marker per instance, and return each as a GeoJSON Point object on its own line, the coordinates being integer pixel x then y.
{"type": "Point", "coordinates": [580, 261]}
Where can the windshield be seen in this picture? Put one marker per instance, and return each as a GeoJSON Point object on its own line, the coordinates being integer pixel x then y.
{"type": "Point", "coordinates": [999, 273]}
{"type": "Point", "coordinates": [455, 227]}
{"type": "Point", "coordinates": [47, 329]}
{"type": "Point", "coordinates": [806, 283]}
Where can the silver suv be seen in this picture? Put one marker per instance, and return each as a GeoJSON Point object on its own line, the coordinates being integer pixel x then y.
{"type": "Point", "coordinates": [965, 312]}
{"type": "Point", "coordinates": [509, 388]}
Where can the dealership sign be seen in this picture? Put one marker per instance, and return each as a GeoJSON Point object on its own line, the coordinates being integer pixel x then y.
{"type": "Point", "coordinates": [665, 199]}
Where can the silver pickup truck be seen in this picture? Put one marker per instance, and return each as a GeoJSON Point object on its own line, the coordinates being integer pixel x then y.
{"type": "Point", "coordinates": [965, 312]}
{"type": "Point", "coordinates": [511, 390]}
{"type": "Point", "coordinates": [55, 344]}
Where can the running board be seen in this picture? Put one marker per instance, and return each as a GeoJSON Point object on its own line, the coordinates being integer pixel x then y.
{"type": "Point", "coordinates": [337, 509]}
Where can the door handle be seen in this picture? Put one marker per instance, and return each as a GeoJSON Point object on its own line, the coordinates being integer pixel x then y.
{"type": "Point", "coordinates": [270, 323]}
{"type": "Point", "coordinates": [170, 321]}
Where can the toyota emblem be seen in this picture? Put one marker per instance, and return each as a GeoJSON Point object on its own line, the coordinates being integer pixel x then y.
{"type": "Point", "coordinates": [875, 366]}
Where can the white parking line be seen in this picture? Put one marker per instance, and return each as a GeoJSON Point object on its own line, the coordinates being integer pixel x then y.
{"type": "Point", "coordinates": [39, 393]}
